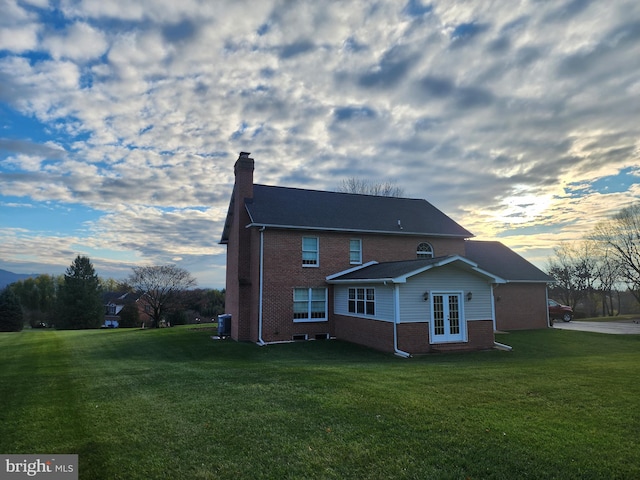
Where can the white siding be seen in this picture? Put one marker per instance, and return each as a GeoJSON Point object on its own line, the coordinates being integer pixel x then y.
{"type": "Point", "coordinates": [383, 296]}
{"type": "Point", "coordinates": [413, 308]}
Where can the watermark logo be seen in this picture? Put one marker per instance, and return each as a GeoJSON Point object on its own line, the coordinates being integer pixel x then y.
{"type": "Point", "coordinates": [48, 467]}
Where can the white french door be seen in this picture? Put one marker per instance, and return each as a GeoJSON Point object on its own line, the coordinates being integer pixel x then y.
{"type": "Point", "coordinates": [447, 318]}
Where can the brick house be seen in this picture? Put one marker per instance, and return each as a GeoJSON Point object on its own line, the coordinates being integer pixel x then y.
{"type": "Point", "coordinates": [394, 274]}
{"type": "Point", "coordinates": [116, 302]}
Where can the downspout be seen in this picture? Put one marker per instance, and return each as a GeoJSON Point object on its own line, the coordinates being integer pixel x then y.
{"type": "Point", "coordinates": [546, 296]}
{"type": "Point", "coordinates": [499, 346]}
{"type": "Point", "coordinates": [493, 309]}
{"type": "Point", "coordinates": [396, 319]}
{"type": "Point", "coordinates": [261, 342]}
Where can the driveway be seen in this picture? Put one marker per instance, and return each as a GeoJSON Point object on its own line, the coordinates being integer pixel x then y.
{"type": "Point", "coordinates": [626, 327]}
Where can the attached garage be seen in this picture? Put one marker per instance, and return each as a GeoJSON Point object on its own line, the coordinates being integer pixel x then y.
{"type": "Point", "coordinates": [521, 302]}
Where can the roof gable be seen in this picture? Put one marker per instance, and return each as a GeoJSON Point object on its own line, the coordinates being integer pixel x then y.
{"type": "Point", "coordinates": [284, 207]}
{"type": "Point", "coordinates": [401, 271]}
{"type": "Point", "coordinates": [504, 262]}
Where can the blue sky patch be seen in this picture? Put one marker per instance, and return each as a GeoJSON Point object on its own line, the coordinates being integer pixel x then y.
{"type": "Point", "coordinates": [342, 114]}
{"type": "Point", "coordinates": [621, 182]}
{"type": "Point", "coordinates": [415, 8]}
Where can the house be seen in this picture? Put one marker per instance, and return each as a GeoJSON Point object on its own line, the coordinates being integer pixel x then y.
{"type": "Point", "coordinates": [394, 274]}
{"type": "Point", "coordinates": [116, 302]}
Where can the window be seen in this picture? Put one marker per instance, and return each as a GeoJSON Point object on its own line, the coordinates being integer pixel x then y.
{"type": "Point", "coordinates": [362, 301]}
{"type": "Point", "coordinates": [309, 251]}
{"type": "Point", "coordinates": [355, 251]}
{"type": "Point", "coordinates": [309, 304]}
{"type": "Point", "coordinates": [425, 250]}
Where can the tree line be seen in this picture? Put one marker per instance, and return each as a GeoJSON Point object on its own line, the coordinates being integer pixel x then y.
{"type": "Point", "coordinates": [600, 273]}
{"type": "Point", "coordinates": [76, 300]}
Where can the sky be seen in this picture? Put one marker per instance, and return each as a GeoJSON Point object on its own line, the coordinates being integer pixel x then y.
{"type": "Point", "coordinates": [120, 121]}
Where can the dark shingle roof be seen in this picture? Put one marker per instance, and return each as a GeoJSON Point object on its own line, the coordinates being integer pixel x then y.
{"type": "Point", "coordinates": [119, 298]}
{"type": "Point", "coordinates": [312, 209]}
{"type": "Point", "coordinates": [389, 270]}
{"type": "Point", "coordinates": [504, 262]}
{"type": "Point", "coordinates": [400, 271]}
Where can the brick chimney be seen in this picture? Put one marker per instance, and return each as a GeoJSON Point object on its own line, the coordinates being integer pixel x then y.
{"type": "Point", "coordinates": [243, 170]}
{"type": "Point", "coordinates": [240, 274]}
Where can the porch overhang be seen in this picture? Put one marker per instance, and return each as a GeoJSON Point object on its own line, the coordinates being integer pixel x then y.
{"type": "Point", "coordinates": [400, 272]}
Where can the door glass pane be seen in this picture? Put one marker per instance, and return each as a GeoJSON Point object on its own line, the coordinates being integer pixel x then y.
{"type": "Point", "coordinates": [438, 315]}
{"type": "Point", "coordinates": [454, 315]}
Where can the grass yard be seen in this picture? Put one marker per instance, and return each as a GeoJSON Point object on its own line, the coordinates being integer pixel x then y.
{"type": "Point", "coordinates": [172, 403]}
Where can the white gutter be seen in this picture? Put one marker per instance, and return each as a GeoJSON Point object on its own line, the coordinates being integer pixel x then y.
{"type": "Point", "coordinates": [260, 340]}
{"type": "Point", "coordinates": [396, 319]}
{"type": "Point", "coordinates": [354, 230]}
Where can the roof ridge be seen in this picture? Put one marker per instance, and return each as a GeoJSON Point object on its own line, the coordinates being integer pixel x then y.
{"type": "Point", "coordinates": [338, 193]}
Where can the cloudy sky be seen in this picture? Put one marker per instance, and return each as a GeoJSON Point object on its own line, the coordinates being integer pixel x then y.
{"type": "Point", "coordinates": [120, 121]}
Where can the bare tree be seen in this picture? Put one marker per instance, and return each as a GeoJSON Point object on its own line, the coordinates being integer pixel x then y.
{"type": "Point", "coordinates": [364, 187]}
{"type": "Point", "coordinates": [161, 286]}
{"type": "Point", "coordinates": [566, 268]}
{"type": "Point", "coordinates": [622, 234]}
{"type": "Point", "coordinates": [607, 273]}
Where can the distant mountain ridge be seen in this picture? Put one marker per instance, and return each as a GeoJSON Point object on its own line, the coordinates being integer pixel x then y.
{"type": "Point", "coordinates": [7, 277]}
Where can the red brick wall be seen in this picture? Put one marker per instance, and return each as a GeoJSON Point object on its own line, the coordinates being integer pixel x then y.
{"type": "Point", "coordinates": [413, 338]}
{"type": "Point", "coordinates": [381, 248]}
{"type": "Point", "coordinates": [521, 306]}
{"type": "Point", "coordinates": [370, 333]}
{"type": "Point", "coordinates": [283, 271]}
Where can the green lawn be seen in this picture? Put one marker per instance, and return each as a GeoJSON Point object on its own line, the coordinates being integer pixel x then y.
{"type": "Point", "coordinates": [174, 404]}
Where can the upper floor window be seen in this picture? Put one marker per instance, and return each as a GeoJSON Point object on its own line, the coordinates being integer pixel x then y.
{"type": "Point", "coordinates": [310, 251]}
{"type": "Point", "coordinates": [309, 304]}
{"type": "Point", "coordinates": [425, 250]}
{"type": "Point", "coordinates": [355, 251]}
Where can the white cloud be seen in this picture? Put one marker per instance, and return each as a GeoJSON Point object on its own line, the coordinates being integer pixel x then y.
{"type": "Point", "coordinates": [18, 28]}
{"type": "Point", "coordinates": [79, 42]}
{"type": "Point", "coordinates": [489, 111]}
{"type": "Point", "coordinates": [19, 39]}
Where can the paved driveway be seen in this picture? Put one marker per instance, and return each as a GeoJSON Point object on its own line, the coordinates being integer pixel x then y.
{"type": "Point", "coordinates": [618, 328]}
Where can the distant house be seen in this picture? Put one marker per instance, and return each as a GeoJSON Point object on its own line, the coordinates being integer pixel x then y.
{"type": "Point", "coordinates": [395, 274]}
{"type": "Point", "coordinates": [114, 304]}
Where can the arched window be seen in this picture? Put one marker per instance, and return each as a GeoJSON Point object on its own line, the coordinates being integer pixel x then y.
{"type": "Point", "coordinates": [425, 250]}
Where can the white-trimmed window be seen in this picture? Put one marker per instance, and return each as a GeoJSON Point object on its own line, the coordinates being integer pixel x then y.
{"type": "Point", "coordinates": [309, 304]}
{"type": "Point", "coordinates": [355, 251]}
{"type": "Point", "coordinates": [310, 251]}
{"type": "Point", "coordinates": [424, 250]}
{"type": "Point", "coordinates": [362, 301]}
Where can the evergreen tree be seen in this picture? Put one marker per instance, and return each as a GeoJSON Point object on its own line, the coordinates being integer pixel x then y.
{"type": "Point", "coordinates": [10, 312]}
{"type": "Point", "coordinates": [79, 298]}
{"type": "Point", "coordinates": [129, 316]}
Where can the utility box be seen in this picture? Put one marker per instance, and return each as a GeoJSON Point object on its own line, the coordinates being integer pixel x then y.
{"type": "Point", "coordinates": [224, 325]}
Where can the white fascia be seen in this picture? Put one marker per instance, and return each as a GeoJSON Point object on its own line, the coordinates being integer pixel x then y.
{"type": "Point", "coordinates": [354, 269]}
